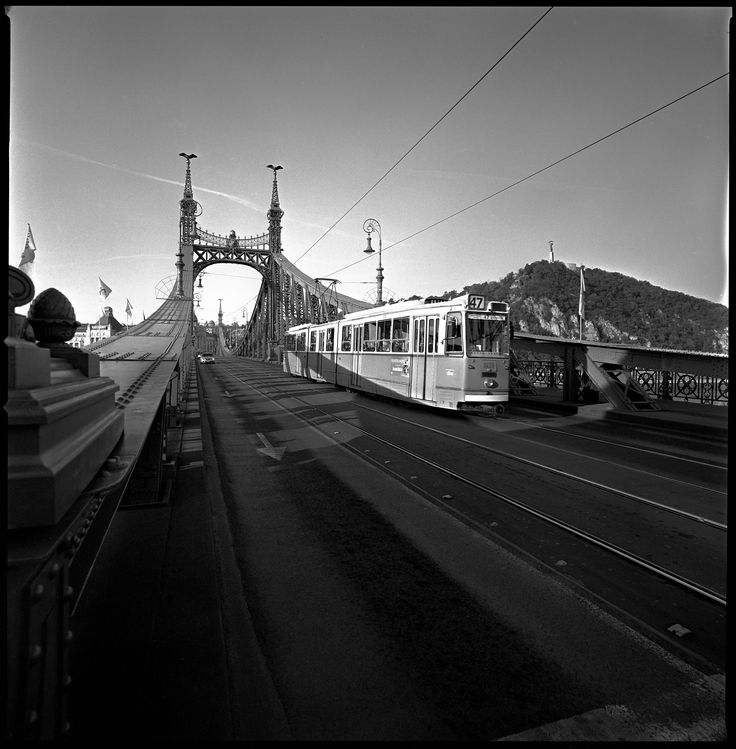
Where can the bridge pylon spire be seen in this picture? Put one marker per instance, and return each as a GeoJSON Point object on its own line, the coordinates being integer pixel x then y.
{"type": "Point", "coordinates": [187, 224]}
{"type": "Point", "coordinates": [274, 215]}
{"type": "Point", "coordinates": [188, 180]}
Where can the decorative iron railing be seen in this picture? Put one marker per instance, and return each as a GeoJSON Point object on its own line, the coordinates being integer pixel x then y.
{"type": "Point", "coordinates": [659, 384]}
{"type": "Point", "coordinates": [682, 386]}
{"type": "Point", "coordinates": [259, 242]}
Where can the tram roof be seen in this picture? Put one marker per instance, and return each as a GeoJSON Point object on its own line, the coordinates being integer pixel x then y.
{"type": "Point", "coordinates": [399, 308]}
{"type": "Point", "coordinates": [391, 310]}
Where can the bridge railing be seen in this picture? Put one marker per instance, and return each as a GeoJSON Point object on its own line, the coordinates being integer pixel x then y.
{"type": "Point", "coordinates": [707, 389]}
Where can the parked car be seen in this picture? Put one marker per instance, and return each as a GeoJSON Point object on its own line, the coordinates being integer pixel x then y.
{"type": "Point", "coordinates": [206, 358]}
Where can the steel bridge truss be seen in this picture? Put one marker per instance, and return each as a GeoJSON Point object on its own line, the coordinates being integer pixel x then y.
{"type": "Point", "coordinates": [287, 295]}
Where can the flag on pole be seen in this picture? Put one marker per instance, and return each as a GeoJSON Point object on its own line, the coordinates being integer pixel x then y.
{"type": "Point", "coordinates": [29, 254]}
{"type": "Point", "coordinates": [128, 308]}
{"type": "Point", "coordinates": [581, 302]}
{"type": "Point", "coordinates": [105, 290]}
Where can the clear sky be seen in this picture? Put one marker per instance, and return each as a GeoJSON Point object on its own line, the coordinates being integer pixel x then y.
{"type": "Point", "coordinates": [103, 99]}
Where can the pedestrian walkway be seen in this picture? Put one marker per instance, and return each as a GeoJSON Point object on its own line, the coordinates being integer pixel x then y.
{"type": "Point", "coordinates": [152, 658]}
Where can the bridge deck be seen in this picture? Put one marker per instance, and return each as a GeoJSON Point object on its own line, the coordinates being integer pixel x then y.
{"type": "Point", "coordinates": [168, 600]}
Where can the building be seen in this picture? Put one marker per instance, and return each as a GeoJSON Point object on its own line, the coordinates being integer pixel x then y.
{"type": "Point", "coordinates": [89, 333]}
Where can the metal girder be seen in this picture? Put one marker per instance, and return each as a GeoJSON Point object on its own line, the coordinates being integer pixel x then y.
{"type": "Point", "coordinates": [615, 382]}
{"type": "Point", "coordinates": [287, 296]}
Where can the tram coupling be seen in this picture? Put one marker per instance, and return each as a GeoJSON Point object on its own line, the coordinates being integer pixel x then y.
{"type": "Point", "coordinates": [483, 409]}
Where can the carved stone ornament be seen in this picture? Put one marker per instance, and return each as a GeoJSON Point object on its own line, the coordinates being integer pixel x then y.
{"type": "Point", "coordinates": [52, 317]}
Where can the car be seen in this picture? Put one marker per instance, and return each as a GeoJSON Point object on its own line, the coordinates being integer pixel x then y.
{"type": "Point", "coordinates": [206, 358]}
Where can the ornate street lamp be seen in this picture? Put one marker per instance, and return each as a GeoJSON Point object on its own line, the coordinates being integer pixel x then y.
{"type": "Point", "coordinates": [369, 226]}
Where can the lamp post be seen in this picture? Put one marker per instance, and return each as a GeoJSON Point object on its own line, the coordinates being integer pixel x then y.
{"type": "Point", "coordinates": [369, 226]}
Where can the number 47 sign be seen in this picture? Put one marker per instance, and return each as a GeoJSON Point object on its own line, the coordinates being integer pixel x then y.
{"type": "Point", "coordinates": [476, 301]}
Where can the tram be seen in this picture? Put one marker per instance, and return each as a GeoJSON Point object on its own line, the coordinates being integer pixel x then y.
{"type": "Point", "coordinates": [450, 354]}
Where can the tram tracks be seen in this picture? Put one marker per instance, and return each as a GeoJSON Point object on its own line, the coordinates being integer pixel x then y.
{"type": "Point", "coordinates": [488, 521]}
{"type": "Point", "coordinates": [566, 474]}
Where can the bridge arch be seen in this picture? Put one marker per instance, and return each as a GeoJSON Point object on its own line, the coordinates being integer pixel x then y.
{"type": "Point", "coordinates": [287, 296]}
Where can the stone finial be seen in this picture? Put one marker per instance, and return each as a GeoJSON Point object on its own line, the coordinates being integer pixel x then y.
{"type": "Point", "coordinates": [52, 317]}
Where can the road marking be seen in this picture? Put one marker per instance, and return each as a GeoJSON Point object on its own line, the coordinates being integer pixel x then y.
{"type": "Point", "coordinates": [268, 449]}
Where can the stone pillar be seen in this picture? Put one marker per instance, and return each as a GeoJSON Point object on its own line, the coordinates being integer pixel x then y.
{"type": "Point", "coordinates": [63, 488]}
{"type": "Point", "coordinates": [62, 420]}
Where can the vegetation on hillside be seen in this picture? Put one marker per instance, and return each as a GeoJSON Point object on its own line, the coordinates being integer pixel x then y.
{"type": "Point", "coordinates": [543, 297]}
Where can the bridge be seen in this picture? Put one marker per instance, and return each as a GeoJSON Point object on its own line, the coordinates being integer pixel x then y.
{"type": "Point", "coordinates": [90, 430]}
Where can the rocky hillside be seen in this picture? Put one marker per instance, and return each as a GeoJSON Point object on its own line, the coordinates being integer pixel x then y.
{"type": "Point", "coordinates": [618, 309]}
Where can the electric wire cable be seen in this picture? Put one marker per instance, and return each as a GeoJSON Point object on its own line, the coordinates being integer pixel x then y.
{"type": "Point", "coordinates": [539, 171]}
{"type": "Point", "coordinates": [454, 106]}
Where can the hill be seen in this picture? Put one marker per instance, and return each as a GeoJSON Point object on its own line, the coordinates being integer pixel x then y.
{"type": "Point", "coordinates": [543, 297]}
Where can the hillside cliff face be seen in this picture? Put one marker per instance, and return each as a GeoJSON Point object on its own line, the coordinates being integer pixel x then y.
{"type": "Point", "coordinates": [544, 296]}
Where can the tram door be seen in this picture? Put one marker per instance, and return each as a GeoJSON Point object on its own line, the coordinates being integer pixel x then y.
{"type": "Point", "coordinates": [424, 359]}
{"type": "Point", "coordinates": [357, 354]}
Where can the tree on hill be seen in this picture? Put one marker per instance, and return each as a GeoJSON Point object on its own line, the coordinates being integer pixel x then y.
{"type": "Point", "coordinates": [543, 297]}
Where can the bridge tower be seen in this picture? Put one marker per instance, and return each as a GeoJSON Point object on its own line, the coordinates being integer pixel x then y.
{"type": "Point", "coordinates": [287, 296]}
{"type": "Point", "coordinates": [274, 215]}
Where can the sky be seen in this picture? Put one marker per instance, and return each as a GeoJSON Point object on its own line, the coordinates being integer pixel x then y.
{"type": "Point", "coordinates": [439, 122]}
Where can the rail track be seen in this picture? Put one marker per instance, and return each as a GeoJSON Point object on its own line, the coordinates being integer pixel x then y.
{"type": "Point", "coordinates": [465, 495]}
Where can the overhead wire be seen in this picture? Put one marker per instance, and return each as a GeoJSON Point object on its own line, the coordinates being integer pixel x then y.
{"type": "Point", "coordinates": [539, 171]}
{"type": "Point", "coordinates": [446, 114]}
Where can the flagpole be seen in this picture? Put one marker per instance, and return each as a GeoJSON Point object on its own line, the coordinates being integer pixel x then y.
{"type": "Point", "coordinates": [581, 303]}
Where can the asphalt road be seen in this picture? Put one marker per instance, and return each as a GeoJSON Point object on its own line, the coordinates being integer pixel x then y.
{"type": "Point", "coordinates": [381, 615]}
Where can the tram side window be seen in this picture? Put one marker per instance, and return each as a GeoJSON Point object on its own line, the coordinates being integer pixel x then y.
{"type": "Point", "coordinates": [400, 334]}
{"type": "Point", "coordinates": [312, 340]}
{"type": "Point", "coordinates": [418, 336]}
{"type": "Point", "coordinates": [384, 336]}
{"type": "Point", "coordinates": [345, 341]}
{"type": "Point", "coordinates": [454, 333]}
{"type": "Point", "coordinates": [301, 340]}
{"type": "Point", "coordinates": [432, 326]}
{"type": "Point", "coordinates": [370, 333]}
{"type": "Point", "coordinates": [330, 339]}
{"type": "Point", "coordinates": [289, 342]}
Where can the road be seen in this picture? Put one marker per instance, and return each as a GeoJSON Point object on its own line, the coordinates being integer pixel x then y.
{"type": "Point", "coordinates": [393, 601]}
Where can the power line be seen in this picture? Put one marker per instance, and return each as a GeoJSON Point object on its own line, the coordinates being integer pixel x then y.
{"type": "Point", "coordinates": [454, 106]}
{"type": "Point", "coordinates": [539, 171]}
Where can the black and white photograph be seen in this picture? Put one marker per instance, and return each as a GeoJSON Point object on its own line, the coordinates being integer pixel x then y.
{"type": "Point", "coordinates": [367, 373]}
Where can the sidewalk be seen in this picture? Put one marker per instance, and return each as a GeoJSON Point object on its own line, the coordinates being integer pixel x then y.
{"type": "Point", "coordinates": [675, 416]}
{"type": "Point", "coordinates": [152, 657]}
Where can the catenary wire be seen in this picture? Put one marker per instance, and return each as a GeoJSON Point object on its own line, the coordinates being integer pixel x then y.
{"type": "Point", "coordinates": [539, 171]}
{"type": "Point", "coordinates": [448, 112]}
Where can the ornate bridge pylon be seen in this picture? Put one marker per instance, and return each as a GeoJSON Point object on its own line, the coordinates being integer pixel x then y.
{"type": "Point", "coordinates": [287, 295]}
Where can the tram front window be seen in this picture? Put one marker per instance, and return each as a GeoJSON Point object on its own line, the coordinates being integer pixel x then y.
{"type": "Point", "coordinates": [453, 334]}
{"type": "Point", "coordinates": [486, 336]}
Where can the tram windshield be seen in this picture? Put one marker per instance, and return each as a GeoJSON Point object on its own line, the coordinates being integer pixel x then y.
{"type": "Point", "coordinates": [486, 334]}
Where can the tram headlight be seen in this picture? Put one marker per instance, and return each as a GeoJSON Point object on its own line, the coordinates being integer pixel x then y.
{"type": "Point", "coordinates": [490, 384]}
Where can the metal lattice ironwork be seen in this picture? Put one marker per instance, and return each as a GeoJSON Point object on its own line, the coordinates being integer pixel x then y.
{"type": "Point", "coordinates": [287, 296]}
{"type": "Point", "coordinates": [659, 384]}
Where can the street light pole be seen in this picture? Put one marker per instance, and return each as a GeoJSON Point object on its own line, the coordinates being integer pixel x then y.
{"type": "Point", "coordinates": [369, 226]}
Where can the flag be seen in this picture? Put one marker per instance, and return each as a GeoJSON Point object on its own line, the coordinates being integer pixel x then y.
{"type": "Point", "coordinates": [105, 290]}
{"type": "Point", "coordinates": [29, 254]}
{"type": "Point", "coordinates": [581, 302]}
{"type": "Point", "coordinates": [128, 308]}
